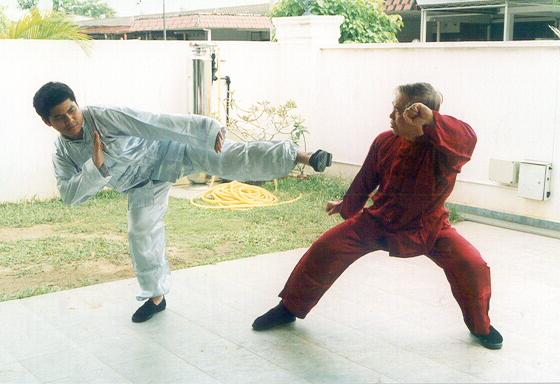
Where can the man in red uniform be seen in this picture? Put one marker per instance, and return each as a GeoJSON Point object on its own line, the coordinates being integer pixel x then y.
{"type": "Point", "coordinates": [412, 170]}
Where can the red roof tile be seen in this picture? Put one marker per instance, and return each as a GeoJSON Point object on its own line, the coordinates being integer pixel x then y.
{"type": "Point", "coordinates": [203, 22]}
{"type": "Point", "coordinates": [400, 5]}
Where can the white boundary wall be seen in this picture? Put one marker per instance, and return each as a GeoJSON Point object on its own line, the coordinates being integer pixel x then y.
{"type": "Point", "coordinates": [146, 75]}
{"type": "Point", "coordinates": [509, 92]}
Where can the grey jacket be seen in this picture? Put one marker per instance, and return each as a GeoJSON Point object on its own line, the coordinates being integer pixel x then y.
{"type": "Point", "coordinates": [139, 146]}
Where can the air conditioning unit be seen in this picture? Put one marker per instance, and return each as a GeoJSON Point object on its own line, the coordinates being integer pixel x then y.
{"type": "Point", "coordinates": [503, 171]}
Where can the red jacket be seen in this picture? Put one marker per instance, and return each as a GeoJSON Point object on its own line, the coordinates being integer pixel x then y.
{"type": "Point", "coordinates": [413, 179]}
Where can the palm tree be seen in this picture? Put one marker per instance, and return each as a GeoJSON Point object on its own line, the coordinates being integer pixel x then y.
{"type": "Point", "coordinates": [48, 25]}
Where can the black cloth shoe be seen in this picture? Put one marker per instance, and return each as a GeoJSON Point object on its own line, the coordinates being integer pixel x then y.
{"type": "Point", "coordinates": [493, 340]}
{"type": "Point", "coordinates": [320, 160]}
{"type": "Point", "coordinates": [147, 310]}
{"type": "Point", "coordinates": [276, 316]}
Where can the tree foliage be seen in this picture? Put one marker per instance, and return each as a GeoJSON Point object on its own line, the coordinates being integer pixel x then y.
{"type": "Point", "coordinates": [91, 8]}
{"type": "Point", "coordinates": [27, 4]}
{"type": "Point", "coordinates": [365, 21]}
{"type": "Point", "coordinates": [4, 21]}
{"type": "Point", "coordinates": [47, 25]}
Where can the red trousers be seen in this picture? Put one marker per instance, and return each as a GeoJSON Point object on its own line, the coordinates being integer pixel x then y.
{"type": "Point", "coordinates": [329, 256]}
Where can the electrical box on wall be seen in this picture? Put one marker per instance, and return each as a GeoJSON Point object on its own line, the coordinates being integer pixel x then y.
{"type": "Point", "coordinates": [503, 171]}
{"type": "Point", "coordinates": [534, 180]}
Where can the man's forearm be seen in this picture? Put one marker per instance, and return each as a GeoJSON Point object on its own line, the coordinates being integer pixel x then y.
{"type": "Point", "coordinates": [83, 185]}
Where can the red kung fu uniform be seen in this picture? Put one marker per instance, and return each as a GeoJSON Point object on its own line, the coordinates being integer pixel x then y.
{"type": "Point", "coordinates": [408, 218]}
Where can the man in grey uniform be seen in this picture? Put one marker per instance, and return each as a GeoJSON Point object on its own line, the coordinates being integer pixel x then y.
{"type": "Point", "coordinates": [142, 154]}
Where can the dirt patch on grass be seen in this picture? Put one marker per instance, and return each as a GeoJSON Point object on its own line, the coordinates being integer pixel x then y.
{"type": "Point", "coordinates": [20, 281]}
{"type": "Point", "coordinates": [184, 258]}
{"type": "Point", "coordinates": [46, 278]}
{"type": "Point", "coordinates": [30, 233]}
{"type": "Point", "coordinates": [43, 231]}
{"type": "Point", "coordinates": [28, 279]}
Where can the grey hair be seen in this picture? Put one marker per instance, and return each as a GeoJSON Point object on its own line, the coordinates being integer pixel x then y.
{"type": "Point", "coordinates": [423, 93]}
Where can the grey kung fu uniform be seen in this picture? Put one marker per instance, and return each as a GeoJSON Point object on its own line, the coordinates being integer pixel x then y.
{"type": "Point", "coordinates": [144, 154]}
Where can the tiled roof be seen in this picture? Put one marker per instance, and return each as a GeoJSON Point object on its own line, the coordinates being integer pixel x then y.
{"type": "Point", "coordinates": [118, 30]}
{"type": "Point", "coordinates": [400, 5]}
{"type": "Point", "coordinates": [215, 18]}
{"type": "Point", "coordinates": [254, 9]}
{"type": "Point", "coordinates": [107, 22]}
{"type": "Point", "coordinates": [250, 22]}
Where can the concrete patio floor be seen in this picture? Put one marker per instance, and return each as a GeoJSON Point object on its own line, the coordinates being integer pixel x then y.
{"type": "Point", "coordinates": [384, 320]}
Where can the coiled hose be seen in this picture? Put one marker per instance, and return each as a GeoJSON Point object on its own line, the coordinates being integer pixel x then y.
{"type": "Point", "coordinates": [238, 196]}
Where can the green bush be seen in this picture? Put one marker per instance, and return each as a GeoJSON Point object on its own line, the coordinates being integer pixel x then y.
{"type": "Point", "coordinates": [365, 21]}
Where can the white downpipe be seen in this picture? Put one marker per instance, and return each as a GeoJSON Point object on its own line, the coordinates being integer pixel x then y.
{"type": "Point", "coordinates": [423, 25]}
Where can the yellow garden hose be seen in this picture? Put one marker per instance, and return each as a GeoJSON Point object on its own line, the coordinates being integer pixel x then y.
{"type": "Point", "coordinates": [236, 196]}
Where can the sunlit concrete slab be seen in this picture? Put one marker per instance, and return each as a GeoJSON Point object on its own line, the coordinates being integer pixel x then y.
{"type": "Point", "coordinates": [385, 320]}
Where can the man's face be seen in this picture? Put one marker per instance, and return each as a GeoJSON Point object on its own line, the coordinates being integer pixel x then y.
{"type": "Point", "coordinates": [400, 103]}
{"type": "Point", "coordinates": [66, 118]}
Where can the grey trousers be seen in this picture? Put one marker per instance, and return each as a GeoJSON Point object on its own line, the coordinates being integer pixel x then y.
{"type": "Point", "coordinates": [147, 205]}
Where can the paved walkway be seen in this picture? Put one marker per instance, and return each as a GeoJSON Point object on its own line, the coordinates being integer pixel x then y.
{"type": "Point", "coordinates": [385, 320]}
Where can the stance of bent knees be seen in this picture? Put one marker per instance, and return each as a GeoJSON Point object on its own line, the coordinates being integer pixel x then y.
{"type": "Point", "coordinates": [142, 154]}
{"type": "Point", "coordinates": [412, 168]}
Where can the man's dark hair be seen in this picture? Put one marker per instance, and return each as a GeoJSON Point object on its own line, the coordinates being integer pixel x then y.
{"type": "Point", "coordinates": [49, 96]}
{"type": "Point", "coordinates": [422, 93]}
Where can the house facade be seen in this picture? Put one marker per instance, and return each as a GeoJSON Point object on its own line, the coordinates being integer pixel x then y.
{"type": "Point", "coordinates": [243, 23]}
{"type": "Point", "coordinates": [475, 20]}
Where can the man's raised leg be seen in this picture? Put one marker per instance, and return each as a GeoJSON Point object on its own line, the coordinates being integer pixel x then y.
{"type": "Point", "coordinates": [253, 161]}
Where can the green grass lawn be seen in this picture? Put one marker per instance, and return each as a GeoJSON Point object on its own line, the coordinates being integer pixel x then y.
{"type": "Point", "coordinates": [46, 246]}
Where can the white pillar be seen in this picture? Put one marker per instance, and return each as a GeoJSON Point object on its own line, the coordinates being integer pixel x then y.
{"type": "Point", "coordinates": [508, 23]}
{"type": "Point", "coordinates": [301, 41]}
{"type": "Point", "coordinates": [164, 23]}
{"type": "Point", "coordinates": [317, 30]}
{"type": "Point", "coordinates": [423, 25]}
{"type": "Point", "coordinates": [45, 4]}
